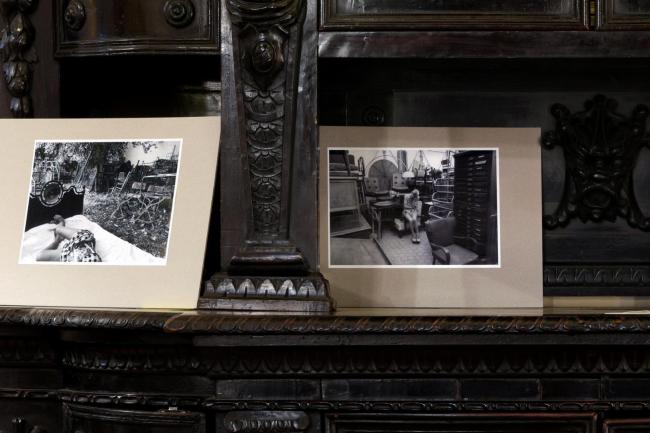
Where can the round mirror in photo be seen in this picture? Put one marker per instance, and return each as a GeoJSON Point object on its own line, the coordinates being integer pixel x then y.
{"type": "Point", "coordinates": [396, 207]}
{"type": "Point", "coordinates": [101, 202]}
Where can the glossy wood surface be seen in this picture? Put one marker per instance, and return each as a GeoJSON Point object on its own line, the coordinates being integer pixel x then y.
{"type": "Point", "coordinates": [454, 14]}
{"type": "Point", "coordinates": [127, 27]}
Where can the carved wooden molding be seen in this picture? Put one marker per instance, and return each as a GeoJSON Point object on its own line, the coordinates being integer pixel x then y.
{"type": "Point", "coordinates": [91, 319]}
{"type": "Point", "coordinates": [591, 277]}
{"type": "Point", "coordinates": [323, 325]}
{"type": "Point", "coordinates": [600, 148]}
{"type": "Point", "coordinates": [333, 362]}
{"type": "Point", "coordinates": [17, 53]}
{"type": "Point", "coordinates": [163, 401]}
{"type": "Point", "coordinates": [266, 422]}
{"type": "Point", "coordinates": [243, 324]}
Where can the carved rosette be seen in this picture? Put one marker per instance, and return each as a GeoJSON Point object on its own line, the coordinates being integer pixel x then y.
{"type": "Point", "coordinates": [268, 63]}
{"type": "Point", "coordinates": [601, 148]}
{"type": "Point", "coordinates": [17, 53]}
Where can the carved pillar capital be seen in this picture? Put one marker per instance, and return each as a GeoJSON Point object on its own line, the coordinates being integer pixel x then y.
{"type": "Point", "coordinates": [17, 53]}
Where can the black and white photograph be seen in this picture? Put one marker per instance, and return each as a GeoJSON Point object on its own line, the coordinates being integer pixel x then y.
{"type": "Point", "coordinates": [101, 202]}
{"type": "Point", "coordinates": [413, 207]}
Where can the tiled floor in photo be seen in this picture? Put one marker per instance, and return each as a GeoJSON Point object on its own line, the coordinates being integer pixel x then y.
{"type": "Point", "coordinates": [401, 251]}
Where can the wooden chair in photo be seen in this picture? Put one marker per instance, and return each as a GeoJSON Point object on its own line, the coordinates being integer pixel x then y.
{"type": "Point", "coordinates": [399, 184]}
{"type": "Point", "coordinates": [440, 233]}
{"type": "Point", "coordinates": [373, 189]}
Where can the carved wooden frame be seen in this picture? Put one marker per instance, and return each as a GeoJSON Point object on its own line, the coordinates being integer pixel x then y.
{"type": "Point", "coordinates": [609, 19]}
{"type": "Point", "coordinates": [332, 19]}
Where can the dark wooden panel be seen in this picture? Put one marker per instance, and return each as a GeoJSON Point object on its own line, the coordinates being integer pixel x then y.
{"type": "Point", "coordinates": [95, 27]}
{"type": "Point", "coordinates": [624, 15]}
{"type": "Point", "coordinates": [453, 14]}
{"type": "Point", "coordinates": [96, 420]}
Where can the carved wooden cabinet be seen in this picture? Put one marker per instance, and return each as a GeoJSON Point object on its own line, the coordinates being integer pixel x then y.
{"type": "Point", "coordinates": [94, 27]}
{"type": "Point", "coordinates": [193, 372]}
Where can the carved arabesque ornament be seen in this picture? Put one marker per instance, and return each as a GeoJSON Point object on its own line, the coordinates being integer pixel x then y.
{"type": "Point", "coordinates": [268, 53]}
{"type": "Point", "coordinates": [601, 148]}
{"type": "Point", "coordinates": [17, 53]}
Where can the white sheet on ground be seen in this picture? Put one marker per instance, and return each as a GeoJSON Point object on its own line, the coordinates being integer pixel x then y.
{"type": "Point", "coordinates": [110, 248]}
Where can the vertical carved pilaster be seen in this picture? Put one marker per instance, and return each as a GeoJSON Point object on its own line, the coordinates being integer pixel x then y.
{"type": "Point", "coordinates": [17, 53]}
{"type": "Point", "coordinates": [267, 122]}
{"type": "Point", "coordinates": [267, 36]}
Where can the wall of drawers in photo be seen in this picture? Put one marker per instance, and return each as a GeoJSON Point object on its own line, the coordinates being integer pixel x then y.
{"type": "Point", "coordinates": [475, 201]}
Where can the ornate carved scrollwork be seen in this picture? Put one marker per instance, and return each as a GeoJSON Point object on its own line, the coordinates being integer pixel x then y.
{"type": "Point", "coordinates": [266, 60]}
{"type": "Point", "coordinates": [179, 13]}
{"type": "Point", "coordinates": [17, 53]}
{"type": "Point", "coordinates": [74, 15]}
{"type": "Point", "coordinates": [601, 148]}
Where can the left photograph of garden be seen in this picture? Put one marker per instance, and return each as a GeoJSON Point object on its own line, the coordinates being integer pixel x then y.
{"type": "Point", "coordinates": [108, 202]}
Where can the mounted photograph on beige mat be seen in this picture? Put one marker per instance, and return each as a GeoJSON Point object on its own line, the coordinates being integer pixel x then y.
{"type": "Point", "coordinates": [104, 213]}
{"type": "Point", "coordinates": [431, 217]}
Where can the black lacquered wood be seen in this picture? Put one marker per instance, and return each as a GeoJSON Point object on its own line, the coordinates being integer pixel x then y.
{"type": "Point", "coordinates": [454, 14]}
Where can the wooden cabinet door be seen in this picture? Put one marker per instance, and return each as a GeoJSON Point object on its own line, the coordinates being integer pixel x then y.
{"type": "Point", "coordinates": [624, 15]}
{"type": "Point", "coordinates": [81, 419]}
{"type": "Point", "coordinates": [453, 14]}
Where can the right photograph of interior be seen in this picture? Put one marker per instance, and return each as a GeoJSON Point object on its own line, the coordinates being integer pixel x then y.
{"type": "Point", "coordinates": [395, 207]}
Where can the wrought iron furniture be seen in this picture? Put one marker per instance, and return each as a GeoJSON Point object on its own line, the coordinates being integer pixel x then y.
{"type": "Point", "coordinates": [54, 199]}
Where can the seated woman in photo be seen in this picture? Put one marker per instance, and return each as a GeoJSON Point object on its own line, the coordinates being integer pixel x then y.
{"type": "Point", "coordinates": [69, 245]}
{"type": "Point", "coordinates": [410, 213]}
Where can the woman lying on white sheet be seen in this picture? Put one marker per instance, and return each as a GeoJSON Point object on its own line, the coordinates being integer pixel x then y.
{"type": "Point", "coordinates": [69, 245]}
{"type": "Point", "coordinates": [57, 242]}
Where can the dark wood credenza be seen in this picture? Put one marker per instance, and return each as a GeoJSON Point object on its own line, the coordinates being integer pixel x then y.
{"type": "Point", "coordinates": [133, 371]}
{"type": "Point", "coordinates": [393, 63]}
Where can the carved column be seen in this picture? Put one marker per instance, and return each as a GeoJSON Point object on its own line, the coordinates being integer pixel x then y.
{"type": "Point", "coordinates": [269, 138]}
{"type": "Point", "coordinates": [17, 53]}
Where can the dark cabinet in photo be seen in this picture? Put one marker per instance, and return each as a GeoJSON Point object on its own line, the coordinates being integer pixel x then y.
{"type": "Point", "coordinates": [475, 201]}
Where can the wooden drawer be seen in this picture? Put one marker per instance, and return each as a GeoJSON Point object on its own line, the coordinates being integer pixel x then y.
{"type": "Point", "coordinates": [453, 14]}
{"type": "Point", "coordinates": [99, 27]}
{"type": "Point", "coordinates": [464, 423]}
{"type": "Point", "coordinates": [81, 419]}
{"type": "Point", "coordinates": [624, 15]}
